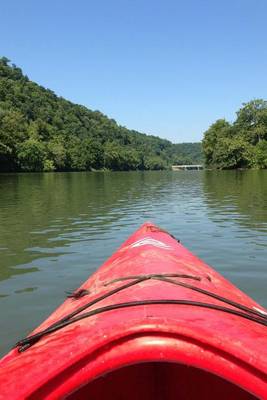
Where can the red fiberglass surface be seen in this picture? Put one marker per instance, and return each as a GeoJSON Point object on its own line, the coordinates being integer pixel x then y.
{"type": "Point", "coordinates": [134, 346]}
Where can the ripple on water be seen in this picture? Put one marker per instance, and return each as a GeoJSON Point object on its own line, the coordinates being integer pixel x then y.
{"type": "Point", "coordinates": [53, 237]}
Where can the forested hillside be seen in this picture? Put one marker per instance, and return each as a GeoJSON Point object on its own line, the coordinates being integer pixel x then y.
{"type": "Point", "coordinates": [40, 131]}
{"type": "Point", "coordinates": [187, 153]}
{"type": "Point", "coordinates": [242, 144]}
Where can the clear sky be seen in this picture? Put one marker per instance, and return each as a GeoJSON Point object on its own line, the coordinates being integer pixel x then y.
{"type": "Point", "coordinates": [164, 67]}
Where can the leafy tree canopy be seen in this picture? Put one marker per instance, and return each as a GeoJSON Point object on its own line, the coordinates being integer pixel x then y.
{"type": "Point", "coordinates": [40, 131]}
{"type": "Point", "coordinates": [242, 144]}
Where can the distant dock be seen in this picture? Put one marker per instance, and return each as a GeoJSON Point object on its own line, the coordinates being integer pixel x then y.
{"type": "Point", "coordinates": [187, 167]}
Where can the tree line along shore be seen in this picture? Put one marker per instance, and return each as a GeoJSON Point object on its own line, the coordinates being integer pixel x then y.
{"type": "Point", "coordinates": [40, 131]}
{"type": "Point", "coordinates": [241, 144]}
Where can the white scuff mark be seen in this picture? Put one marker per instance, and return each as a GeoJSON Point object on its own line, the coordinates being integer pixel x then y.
{"type": "Point", "coordinates": [152, 242]}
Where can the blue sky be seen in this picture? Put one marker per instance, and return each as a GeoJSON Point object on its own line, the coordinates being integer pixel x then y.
{"type": "Point", "coordinates": [162, 67]}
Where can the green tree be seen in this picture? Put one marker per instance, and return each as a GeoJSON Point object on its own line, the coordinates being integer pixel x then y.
{"type": "Point", "coordinates": [31, 155]}
{"type": "Point", "coordinates": [261, 155]}
{"type": "Point", "coordinates": [220, 129]}
{"type": "Point", "coordinates": [154, 163]}
{"type": "Point", "coordinates": [13, 130]}
{"type": "Point", "coordinates": [85, 154]}
{"type": "Point", "coordinates": [113, 156]}
{"type": "Point", "coordinates": [252, 120]}
{"type": "Point", "coordinates": [57, 152]}
{"type": "Point", "coordinates": [231, 153]}
{"type": "Point", "coordinates": [242, 144]}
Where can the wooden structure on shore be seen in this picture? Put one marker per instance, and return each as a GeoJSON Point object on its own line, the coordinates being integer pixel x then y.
{"type": "Point", "coordinates": [187, 167]}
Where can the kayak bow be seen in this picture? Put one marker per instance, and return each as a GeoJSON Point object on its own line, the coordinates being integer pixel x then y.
{"type": "Point", "coordinates": [154, 322]}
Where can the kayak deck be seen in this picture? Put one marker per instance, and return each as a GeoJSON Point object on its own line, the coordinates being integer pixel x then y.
{"type": "Point", "coordinates": [153, 309]}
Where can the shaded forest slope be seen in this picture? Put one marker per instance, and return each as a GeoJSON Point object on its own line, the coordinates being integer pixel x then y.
{"type": "Point", "coordinates": [40, 131]}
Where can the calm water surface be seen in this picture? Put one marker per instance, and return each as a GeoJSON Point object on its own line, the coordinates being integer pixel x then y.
{"type": "Point", "coordinates": [56, 229]}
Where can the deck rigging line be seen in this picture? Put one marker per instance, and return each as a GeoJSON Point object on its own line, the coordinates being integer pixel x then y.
{"type": "Point", "coordinates": [241, 310]}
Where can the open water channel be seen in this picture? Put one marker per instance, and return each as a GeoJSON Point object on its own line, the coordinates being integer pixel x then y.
{"type": "Point", "coordinates": [57, 228]}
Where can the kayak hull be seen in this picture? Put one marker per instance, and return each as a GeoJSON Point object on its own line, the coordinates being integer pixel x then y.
{"type": "Point", "coordinates": [119, 347]}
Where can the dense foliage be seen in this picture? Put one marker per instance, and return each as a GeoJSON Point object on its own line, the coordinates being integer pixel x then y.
{"type": "Point", "coordinates": [242, 144]}
{"type": "Point", "coordinates": [187, 153]}
{"type": "Point", "coordinates": [40, 131]}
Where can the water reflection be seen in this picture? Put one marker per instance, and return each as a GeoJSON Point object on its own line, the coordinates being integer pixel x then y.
{"type": "Point", "coordinates": [57, 228]}
{"type": "Point", "coordinates": [44, 213]}
{"type": "Point", "coordinates": [239, 195]}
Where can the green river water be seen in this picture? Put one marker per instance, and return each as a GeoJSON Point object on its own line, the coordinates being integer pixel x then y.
{"type": "Point", "coordinates": [57, 228]}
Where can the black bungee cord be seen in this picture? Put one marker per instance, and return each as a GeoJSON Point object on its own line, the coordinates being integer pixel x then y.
{"type": "Point", "coordinates": [242, 310]}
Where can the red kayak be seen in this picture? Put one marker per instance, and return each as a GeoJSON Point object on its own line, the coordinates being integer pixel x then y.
{"type": "Point", "coordinates": [154, 322]}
